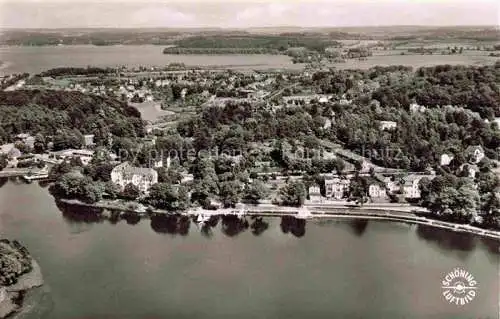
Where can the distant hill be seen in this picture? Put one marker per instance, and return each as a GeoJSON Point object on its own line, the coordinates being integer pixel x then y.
{"type": "Point", "coordinates": [167, 36]}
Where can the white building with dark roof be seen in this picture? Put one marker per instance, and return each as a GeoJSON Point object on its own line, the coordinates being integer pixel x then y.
{"type": "Point", "coordinates": [143, 178]}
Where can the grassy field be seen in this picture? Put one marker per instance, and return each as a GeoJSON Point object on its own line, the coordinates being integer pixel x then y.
{"type": "Point", "coordinates": [394, 57]}
{"type": "Point", "coordinates": [151, 111]}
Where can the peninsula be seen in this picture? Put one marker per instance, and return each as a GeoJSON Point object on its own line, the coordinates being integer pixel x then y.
{"type": "Point", "coordinates": [19, 272]}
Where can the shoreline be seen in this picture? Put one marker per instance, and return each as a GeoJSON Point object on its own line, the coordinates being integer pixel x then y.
{"type": "Point", "coordinates": [9, 306]}
{"type": "Point", "coordinates": [339, 211]}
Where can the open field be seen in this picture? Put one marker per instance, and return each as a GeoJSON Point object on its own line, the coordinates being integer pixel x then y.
{"type": "Point", "coordinates": [151, 111]}
{"type": "Point", "coordinates": [416, 61]}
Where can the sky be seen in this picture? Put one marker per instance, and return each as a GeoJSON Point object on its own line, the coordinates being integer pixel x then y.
{"type": "Point", "coordinates": [243, 14]}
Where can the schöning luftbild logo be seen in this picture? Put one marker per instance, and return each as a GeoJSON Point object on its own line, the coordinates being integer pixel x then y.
{"type": "Point", "coordinates": [459, 287]}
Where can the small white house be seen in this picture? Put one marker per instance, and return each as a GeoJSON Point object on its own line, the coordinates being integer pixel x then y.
{"type": "Point", "coordinates": [387, 125]}
{"type": "Point", "coordinates": [446, 159]}
{"type": "Point", "coordinates": [89, 139]}
{"type": "Point", "coordinates": [315, 194]}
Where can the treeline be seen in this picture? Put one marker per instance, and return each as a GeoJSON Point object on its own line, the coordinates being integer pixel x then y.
{"type": "Point", "coordinates": [215, 51]}
{"type": "Point", "coordinates": [270, 42]}
{"type": "Point", "coordinates": [15, 261]}
{"type": "Point", "coordinates": [92, 37]}
{"type": "Point", "coordinates": [451, 33]}
{"type": "Point", "coordinates": [65, 71]}
{"type": "Point", "coordinates": [66, 115]}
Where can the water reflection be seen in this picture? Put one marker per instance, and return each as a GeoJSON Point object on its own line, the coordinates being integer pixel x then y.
{"type": "Point", "coordinates": [174, 224]}
{"type": "Point", "coordinates": [44, 183]}
{"type": "Point", "coordinates": [3, 181]}
{"type": "Point", "coordinates": [80, 214]}
{"type": "Point", "coordinates": [232, 225]}
{"type": "Point", "coordinates": [259, 225]}
{"type": "Point", "coordinates": [492, 245]}
{"type": "Point", "coordinates": [16, 180]}
{"type": "Point", "coordinates": [177, 224]}
{"type": "Point", "coordinates": [447, 240]}
{"type": "Point", "coordinates": [359, 226]}
{"type": "Point", "coordinates": [295, 226]}
{"type": "Point", "coordinates": [131, 218]}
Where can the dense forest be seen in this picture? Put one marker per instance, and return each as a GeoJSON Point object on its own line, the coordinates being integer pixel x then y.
{"type": "Point", "coordinates": [67, 71]}
{"type": "Point", "coordinates": [271, 43]}
{"type": "Point", "coordinates": [66, 116]}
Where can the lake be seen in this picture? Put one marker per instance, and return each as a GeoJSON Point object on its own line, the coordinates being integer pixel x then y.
{"type": "Point", "coordinates": [20, 59]}
{"type": "Point", "coordinates": [274, 268]}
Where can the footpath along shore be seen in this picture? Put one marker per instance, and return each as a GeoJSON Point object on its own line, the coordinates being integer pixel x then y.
{"type": "Point", "coordinates": [390, 212]}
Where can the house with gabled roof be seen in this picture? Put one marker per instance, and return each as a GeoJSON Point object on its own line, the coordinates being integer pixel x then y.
{"type": "Point", "coordinates": [143, 178]}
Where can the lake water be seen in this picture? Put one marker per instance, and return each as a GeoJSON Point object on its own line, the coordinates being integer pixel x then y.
{"type": "Point", "coordinates": [160, 268]}
{"type": "Point", "coordinates": [18, 59]}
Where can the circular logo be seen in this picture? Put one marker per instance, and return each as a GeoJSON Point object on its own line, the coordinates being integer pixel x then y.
{"type": "Point", "coordinates": [459, 287]}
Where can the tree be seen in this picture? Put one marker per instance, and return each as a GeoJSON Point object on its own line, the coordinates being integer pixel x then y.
{"type": "Point", "coordinates": [111, 190]}
{"type": "Point", "coordinates": [229, 193]}
{"type": "Point", "coordinates": [255, 191]}
{"type": "Point", "coordinates": [452, 199]}
{"type": "Point", "coordinates": [3, 161]}
{"type": "Point", "coordinates": [293, 193]}
{"type": "Point", "coordinates": [169, 175]}
{"type": "Point", "coordinates": [163, 196]}
{"type": "Point", "coordinates": [358, 190]}
{"type": "Point", "coordinates": [40, 144]}
{"type": "Point", "coordinates": [100, 171]}
{"type": "Point", "coordinates": [131, 192]}
{"type": "Point", "coordinates": [92, 192]}
{"type": "Point", "coordinates": [60, 169]}
{"type": "Point", "coordinates": [491, 211]}
{"type": "Point", "coordinates": [76, 186]}
{"type": "Point", "coordinates": [203, 190]}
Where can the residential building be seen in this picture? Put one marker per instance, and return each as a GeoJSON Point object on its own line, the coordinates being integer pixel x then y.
{"type": "Point", "coordinates": [475, 154]}
{"type": "Point", "coordinates": [387, 125]}
{"type": "Point", "coordinates": [142, 178]}
{"type": "Point", "coordinates": [84, 155]}
{"type": "Point", "coordinates": [377, 191]}
{"type": "Point", "coordinates": [315, 194]}
{"type": "Point", "coordinates": [414, 107]}
{"type": "Point", "coordinates": [410, 186]}
{"type": "Point", "coordinates": [149, 140]}
{"type": "Point", "coordinates": [335, 186]}
{"type": "Point", "coordinates": [469, 170]}
{"type": "Point", "coordinates": [89, 140]}
{"type": "Point", "coordinates": [446, 159]}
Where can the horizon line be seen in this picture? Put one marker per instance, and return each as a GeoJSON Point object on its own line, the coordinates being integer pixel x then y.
{"type": "Point", "coordinates": [496, 26]}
